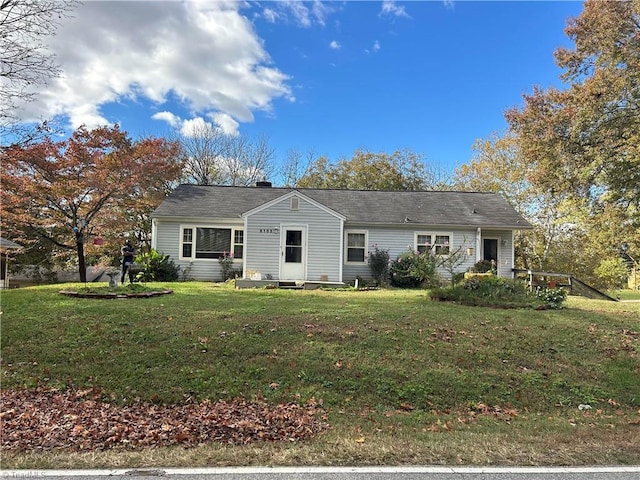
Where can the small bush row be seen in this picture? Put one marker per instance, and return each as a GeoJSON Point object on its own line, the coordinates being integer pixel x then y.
{"type": "Point", "coordinates": [500, 292]}
{"type": "Point", "coordinates": [410, 269]}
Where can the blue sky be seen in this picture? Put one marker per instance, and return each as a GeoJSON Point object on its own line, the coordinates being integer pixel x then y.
{"type": "Point", "coordinates": [322, 77]}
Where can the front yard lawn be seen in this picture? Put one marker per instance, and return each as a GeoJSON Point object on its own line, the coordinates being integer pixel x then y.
{"type": "Point", "coordinates": [401, 379]}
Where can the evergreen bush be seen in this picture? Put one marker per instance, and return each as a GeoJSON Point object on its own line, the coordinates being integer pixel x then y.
{"type": "Point", "coordinates": [379, 264]}
{"type": "Point", "coordinates": [156, 267]}
{"type": "Point", "coordinates": [413, 269]}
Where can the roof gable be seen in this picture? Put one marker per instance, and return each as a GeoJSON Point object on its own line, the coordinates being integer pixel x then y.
{"type": "Point", "coordinates": [286, 196]}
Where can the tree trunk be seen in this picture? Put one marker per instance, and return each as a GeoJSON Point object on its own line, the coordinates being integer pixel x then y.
{"type": "Point", "coordinates": [82, 267]}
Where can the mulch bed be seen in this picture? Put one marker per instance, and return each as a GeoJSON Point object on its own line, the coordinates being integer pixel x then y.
{"type": "Point", "coordinates": [44, 419]}
{"type": "Point", "coordinates": [115, 295]}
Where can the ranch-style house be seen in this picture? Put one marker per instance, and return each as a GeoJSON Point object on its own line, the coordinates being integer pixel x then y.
{"type": "Point", "coordinates": [324, 236]}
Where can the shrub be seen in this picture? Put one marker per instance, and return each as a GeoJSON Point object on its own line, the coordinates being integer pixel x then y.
{"type": "Point", "coordinates": [496, 287]}
{"type": "Point", "coordinates": [552, 297]}
{"type": "Point", "coordinates": [483, 266]}
{"type": "Point", "coordinates": [156, 267]}
{"type": "Point", "coordinates": [226, 263]}
{"type": "Point", "coordinates": [379, 264]}
{"type": "Point", "coordinates": [498, 292]}
{"type": "Point", "coordinates": [412, 269]}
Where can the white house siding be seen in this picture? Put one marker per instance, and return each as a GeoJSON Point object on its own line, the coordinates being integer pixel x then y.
{"type": "Point", "coordinates": [324, 234]}
{"type": "Point", "coordinates": [505, 250]}
{"type": "Point", "coordinates": [325, 243]}
{"type": "Point", "coordinates": [398, 240]}
{"type": "Point", "coordinates": [167, 241]}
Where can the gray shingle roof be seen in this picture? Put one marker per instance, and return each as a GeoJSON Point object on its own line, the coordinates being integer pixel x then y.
{"type": "Point", "coordinates": [358, 206]}
{"type": "Point", "coordinates": [6, 243]}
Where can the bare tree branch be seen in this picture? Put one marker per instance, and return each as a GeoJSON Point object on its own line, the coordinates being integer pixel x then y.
{"type": "Point", "coordinates": [25, 61]}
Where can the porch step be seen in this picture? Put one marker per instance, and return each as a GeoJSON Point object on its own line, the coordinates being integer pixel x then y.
{"type": "Point", "coordinates": [291, 285]}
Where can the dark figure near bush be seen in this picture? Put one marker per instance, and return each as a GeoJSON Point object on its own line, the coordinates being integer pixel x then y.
{"type": "Point", "coordinates": [128, 252]}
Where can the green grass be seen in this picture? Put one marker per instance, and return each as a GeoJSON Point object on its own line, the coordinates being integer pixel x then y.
{"type": "Point", "coordinates": [386, 364]}
{"type": "Point", "coordinates": [627, 294]}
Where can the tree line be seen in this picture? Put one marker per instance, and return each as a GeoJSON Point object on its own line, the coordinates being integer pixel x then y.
{"type": "Point", "coordinates": [569, 162]}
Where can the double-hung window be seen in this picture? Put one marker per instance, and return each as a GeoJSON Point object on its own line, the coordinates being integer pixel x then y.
{"type": "Point", "coordinates": [356, 247]}
{"type": "Point", "coordinates": [442, 244]}
{"type": "Point", "coordinates": [238, 243]}
{"type": "Point", "coordinates": [423, 242]}
{"type": "Point", "coordinates": [211, 242]}
{"type": "Point", "coordinates": [437, 243]}
{"type": "Point", "coordinates": [187, 243]}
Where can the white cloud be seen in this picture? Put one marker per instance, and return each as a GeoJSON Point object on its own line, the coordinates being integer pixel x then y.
{"type": "Point", "coordinates": [204, 53]}
{"type": "Point", "coordinates": [390, 7]}
{"type": "Point", "coordinates": [226, 123]}
{"type": "Point", "coordinates": [321, 10]}
{"type": "Point", "coordinates": [189, 128]}
{"type": "Point", "coordinates": [334, 45]}
{"type": "Point", "coordinates": [270, 15]}
{"type": "Point", "coordinates": [298, 12]}
{"type": "Point", "coordinates": [222, 122]}
{"type": "Point", "coordinates": [374, 49]}
{"type": "Point", "coordinates": [168, 117]}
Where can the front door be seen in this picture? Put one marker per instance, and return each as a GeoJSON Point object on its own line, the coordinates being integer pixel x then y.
{"type": "Point", "coordinates": [490, 249]}
{"type": "Point", "coordinates": [293, 253]}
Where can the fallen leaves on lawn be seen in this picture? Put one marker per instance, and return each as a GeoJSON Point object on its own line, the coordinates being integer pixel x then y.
{"type": "Point", "coordinates": [48, 419]}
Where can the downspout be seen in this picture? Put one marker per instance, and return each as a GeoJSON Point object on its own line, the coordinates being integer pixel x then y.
{"type": "Point", "coordinates": [341, 263]}
{"type": "Point", "coordinates": [245, 250]}
{"type": "Point", "coordinates": [513, 255]}
{"type": "Point", "coordinates": [154, 234]}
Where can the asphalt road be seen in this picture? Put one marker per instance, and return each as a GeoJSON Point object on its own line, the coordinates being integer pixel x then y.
{"type": "Point", "coordinates": [340, 473]}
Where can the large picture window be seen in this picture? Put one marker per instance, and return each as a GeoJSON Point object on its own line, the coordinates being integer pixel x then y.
{"type": "Point", "coordinates": [211, 242]}
{"type": "Point", "coordinates": [356, 250]}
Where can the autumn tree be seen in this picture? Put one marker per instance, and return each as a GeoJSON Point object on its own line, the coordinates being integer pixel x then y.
{"type": "Point", "coordinates": [63, 191]}
{"type": "Point", "coordinates": [296, 166]}
{"type": "Point", "coordinates": [217, 158]}
{"type": "Point", "coordinates": [401, 171]}
{"type": "Point", "coordinates": [584, 142]}
{"type": "Point", "coordinates": [25, 62]}
{"type": "Point", "coordinates": [498, 165]}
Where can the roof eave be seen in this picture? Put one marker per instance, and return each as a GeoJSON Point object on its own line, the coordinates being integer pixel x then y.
{"type": "Point", "coordinates": [436, 225]}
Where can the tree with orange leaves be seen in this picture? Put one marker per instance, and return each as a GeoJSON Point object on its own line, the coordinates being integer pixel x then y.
{"type": "Point", "coordinates": [64, 191]}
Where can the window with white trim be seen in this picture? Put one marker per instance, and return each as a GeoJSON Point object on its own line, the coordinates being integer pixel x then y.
{"type": "Point", "coordinates": [437, 243]}
{"type": "Point", "coordinates": [187, 243]}
{"type": "Point", "coordinates": [238, 243]}
{"type": "Point", "coordinates": [211, 242]}
{"type": "Point", "coordinates": [423, 242]}
{"type": "Point", "coordinates": [356, 246]}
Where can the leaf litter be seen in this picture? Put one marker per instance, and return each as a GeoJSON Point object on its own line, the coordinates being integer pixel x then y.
{"type": "Point", "coordinates": [45, 419]}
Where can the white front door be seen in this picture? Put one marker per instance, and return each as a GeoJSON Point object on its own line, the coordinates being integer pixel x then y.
{"type": "Point", "coordinates": [293, 246]}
